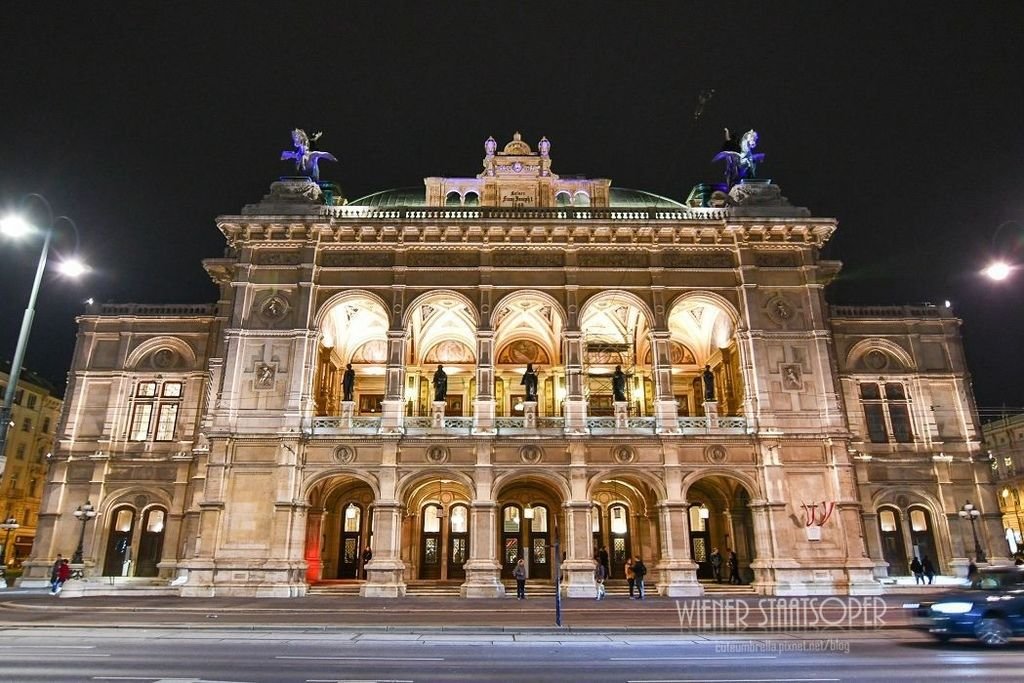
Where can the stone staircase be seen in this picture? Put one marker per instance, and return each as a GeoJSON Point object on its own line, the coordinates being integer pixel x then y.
{"type": "Point", "coordinates": [450, 589]}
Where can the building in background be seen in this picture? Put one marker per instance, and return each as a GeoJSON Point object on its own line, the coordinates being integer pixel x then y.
{"type": "Point", "coordinates": [1004, 443]}
{"type": "Point", "coordinates": [694, 391]}
{"type": "Point", "coordinates": [23, 464]}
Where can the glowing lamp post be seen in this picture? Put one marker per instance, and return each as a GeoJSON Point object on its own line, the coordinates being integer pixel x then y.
{"type": "Point", "coordinates": [971, 513]}
{"type": "Point", "coordinates": [16, 226]}
{"type": "Point", "coordinates": [83, 514]}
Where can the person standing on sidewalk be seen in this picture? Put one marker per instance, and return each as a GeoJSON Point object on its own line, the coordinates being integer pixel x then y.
{"type": "Point", "coordinates": [917, 570]}
{"type": "Point", "coordinates": [367, 556]}
{"type": "Point", "coordinates": [600, 574]}
{"type": "Point", "coordinates": [639, 571]}
{"type": "Point", "coordinates": [928, 569]}
{"type": "Point", "coordinates": [602, 557]}
{"type": "Point", "coordinates": [520, 576]}
{"type": "Point", "coordinates": [716, 565]}
{"type": "Point", "coordinates": [63, 574]}
{"type": "Point", "coordinates": [734, 567]}
{"type": "Point", "coordinates": [630, 576]}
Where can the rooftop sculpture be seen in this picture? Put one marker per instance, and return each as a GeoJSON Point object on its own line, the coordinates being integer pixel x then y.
{"type": "Point", "coordinates": [306, 160]}
{"type": "Point", "coordinates": [740, 162]}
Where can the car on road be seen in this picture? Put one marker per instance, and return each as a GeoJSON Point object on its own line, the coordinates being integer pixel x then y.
{"type": "Point", "coordinates": [991, 609]}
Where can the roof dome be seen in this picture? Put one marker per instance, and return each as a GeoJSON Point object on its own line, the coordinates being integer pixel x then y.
{"type": "Point", "coordinates": [625, 198]}
{"type": "Point", "coordinates": [386, 199]}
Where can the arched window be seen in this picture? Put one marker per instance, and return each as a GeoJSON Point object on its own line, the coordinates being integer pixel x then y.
{"type": "Point", "coordinates": [581, 199]}
{"type": "Point", "coordinates": [893, 550]}
{"type": "Point", "coordinates": [459, 519]}
{"type": "Point", "coordinates": [119, 542]}
{"type": "Point", "coordinates": [352, 517]}
{"type": "Point", "coordinates": [151, 542]}
{"type": "Point", "coordinates": [453, 199]}
{"type": "Point", "coordinates": [432, 519]}
{"type": "Point", "coordinates": [922, 537]}
{"type": "Point", "coordinates": [471, 199]}
{"type": "Point", "coordinates": [563, 198]}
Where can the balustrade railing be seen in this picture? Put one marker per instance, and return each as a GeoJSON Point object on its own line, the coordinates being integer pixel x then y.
{"type": "Point", "coordinates": [323, 425]}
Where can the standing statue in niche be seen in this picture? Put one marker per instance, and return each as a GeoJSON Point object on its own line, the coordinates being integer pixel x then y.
{"type": "Point", "coordinates": [709, 383]}
{"type": "Point", "coordinates": [740, 162]}
{"type": "Point", "coordinates": [440, 383]}
{"type": "Point", "coordinates": [348, 383]}
{"type": "Point", "coordinates": [619, 384]}
{"type": "Point", "coordinates": [530, 382]}
{"type": "Point", "coordinates": [306, 161]}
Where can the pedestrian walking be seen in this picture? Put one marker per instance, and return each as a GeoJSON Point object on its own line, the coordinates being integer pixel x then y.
{"type": "Point", "coordinates": [602, 557]}
{"type": "Point", "coordinates": [54, 571]}
{"type": "Point", "coordinates": [630, 576]}
{"type": "Point", "coordinates": [639, 571]}
{"type": "Point", "coordinates": [63, 574]}
{"type": "Point", "coordinates": [917, 570]}
{"type": "Point", "coordinates": [716, 565]}
{"type": "Point", "coordinates": [734, 567]}
{"type": "Point", "coordinates": [520, 576]}
{"type": "Point", "coordinates": [928, 569]}
{"type": "Point", "coordinates": [972, 571]}
{"type": "Point", "coordinates": [600, 575]}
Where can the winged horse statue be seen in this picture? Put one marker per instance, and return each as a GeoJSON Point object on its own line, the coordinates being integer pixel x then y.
{"type": "Point", "coordinates": [742, 162]}
{"type": "Point", "coordinates": [306, 160]}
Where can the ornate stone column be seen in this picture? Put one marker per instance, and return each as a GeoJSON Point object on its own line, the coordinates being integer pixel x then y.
{"type": "Point", "coordinates": [385, 572]}
{"type": "Point", "coordinates": [678, 571]}
{"type": "Point", "coordinates": [483, 572]}
{"type": "Point", "coordinates": [666, 408]}
{"type": "Point", "coordinates": [575, 405]}
{"type": "Point", "coordinates": [579, 562]}
{"type": "Point", "coordinates": [483, 405]}
{"type": "Point", "coordinates": [394, 384]}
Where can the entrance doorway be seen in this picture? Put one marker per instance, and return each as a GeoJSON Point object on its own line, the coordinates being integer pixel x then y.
{"type": "Point", "coordinates": [621, 548]}
{"type": "Point", "coordinates": [700, 540]}
{"type": "Point", "coordinates": [350, 542]}
{"type": "Point", "coordinates": [458, 541]}
{"type": "Point", "coordinates": [430, 543]}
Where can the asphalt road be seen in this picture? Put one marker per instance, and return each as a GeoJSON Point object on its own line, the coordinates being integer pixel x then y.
{"type": "Point", "coordinates": [58, 655]}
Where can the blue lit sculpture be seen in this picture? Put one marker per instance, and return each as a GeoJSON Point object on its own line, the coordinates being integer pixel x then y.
{"type": "Point", "coordinates": [306, 161]}
{"type": "Point", "coordinates": [741, 163]}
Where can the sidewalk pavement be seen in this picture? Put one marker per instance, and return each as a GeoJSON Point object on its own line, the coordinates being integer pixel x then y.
{"type": "Point", "coordinates": [655, 614]}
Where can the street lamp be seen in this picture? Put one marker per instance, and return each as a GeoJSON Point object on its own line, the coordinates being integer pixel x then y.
{"type": "Point", "coordinates": [17, 226]}
{"type": "Point", "coordinates": [83, 514]}
{"type": "Point", "coordinates": [9, 525]}
{"type": "Point", "coordinates": [971, 513]}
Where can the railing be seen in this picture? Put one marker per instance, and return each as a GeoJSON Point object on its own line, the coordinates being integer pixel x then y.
{"type": "Point", "coordinates": [924, 311]}
{"type": "Point", "coordinates": [502, 213]}
{"type": "Point", "coordinates": [152, 309]}
{"type": "Point", "coordinates": [549, 426]}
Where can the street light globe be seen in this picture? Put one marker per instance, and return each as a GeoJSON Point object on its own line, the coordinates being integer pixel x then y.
{"type": "Point", "coordinates": [997, 270]}
{"type": "Point", "coordinates": [15, 226]}
{"type": "Point", "coordinates": [72, 267]}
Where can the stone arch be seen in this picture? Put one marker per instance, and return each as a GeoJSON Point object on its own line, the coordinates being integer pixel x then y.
{"type": "Point", "coordinates": [557, 483]}
{"type": "Point", "coordinates": [859, 350]}
{"type": "Point", "coordinates": [887, 495]}
{"type": "Point", "coordinates": [629, 297]}
{"type": "Point", "coordinates": [309, 485]}
{"type": "Point", "coordinates": [407, 484]}
{"type": "Point", "coordinates": [121, 497]}
{"type": "Point", "coordinates": [706, 298]}
{"type": "Point", "coordinates": [527, 294]}
{"type": "Point", "coordinates": [342, 297]}
{"type": "Point", "coordinates": [746, 480]}
{"type": "Point", "coordinates": [439, 294]}
{"type": "Point", "coordinates": [149, 346]}
{"type": "Point", "coordinates": [654, 483]}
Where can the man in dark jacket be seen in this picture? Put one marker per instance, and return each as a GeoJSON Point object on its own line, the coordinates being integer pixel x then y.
{"type": "Point", "coordinates": [734, 567]}
{"type": "Point", "coordinates": [639, 571]}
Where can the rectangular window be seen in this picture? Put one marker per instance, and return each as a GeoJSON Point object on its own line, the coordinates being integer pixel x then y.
{"type": "Point", "coordinates": [166, 421]}
{"type": "Point", "coordinates": [32, 401]}
{"type": "Point", "coordinates": [146, 389]}
{"type": "Point", "coordinates": [139, 429]}
{"type": "Point", "coordinates": [46, 425]}
{"type": "Point", "coordinates": [887, 413]}
{"type": "Point", "coordinates": [172, 390]}
{"type": "Point", "coordinates": [26, 424]}
{"type": "Point", "coordinates": [20, 453]}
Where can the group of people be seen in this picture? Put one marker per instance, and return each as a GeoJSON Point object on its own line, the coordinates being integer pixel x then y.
{"type": "Point", "coordinates": [635, 568]}
{"type": "Point", "coordinates": [733, 566]}
{"type": "Point", "coordinates": [922, 569]}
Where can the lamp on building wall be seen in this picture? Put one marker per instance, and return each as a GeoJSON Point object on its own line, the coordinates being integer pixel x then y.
{"type": "Point", "coordinates": [9, 525]}
{"type": "Point", "coordinates": [528, 511]}
{"type": "Point", "coordinates": [971, 513]}
{"type": "Point", "coordinates": [83, 514]}
{"type": "Point", "coordinates": [16, 226]}
{"type": "Point", "coordinates": [704, 512]}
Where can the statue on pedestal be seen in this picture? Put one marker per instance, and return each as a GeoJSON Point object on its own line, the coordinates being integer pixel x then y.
{"type": "Point", "coordinates": [709, 383]}
{"type": "Point", "coordinates": [306, 160]}
{"type": "Point", "coordinates": [348, 383]}
{"type": "Point", "coordinates": [440, 383]}
{"type": "Point", "coordinates": [619, 384]}
{"type": "Point", "coordinates": [530, 382]}
{"type": "Point", "coordinates": [740, 163]}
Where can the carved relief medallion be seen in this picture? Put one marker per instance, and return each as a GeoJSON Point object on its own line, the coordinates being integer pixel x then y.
{"type": "Point", "coordinates": [716, 454]}
{"type": "Point", "coordinates": [623, 455]}
{"type": "Point", "coordinates": [345, 455]}
{"type": "Point", "coordinates": [274, 308]}
{"type": "Point", "coordinates": [531, 455]}
{"type": "Point", "coordinates": [164, 358]}
{"type": "Point", "coordinates": [437, 454]}
{"type": "Point", "coordinates": [780, 310]}
{"type": "Point", "coordinates": [263, 376]}
{"type": "Point", "coordinates": [792, 377]}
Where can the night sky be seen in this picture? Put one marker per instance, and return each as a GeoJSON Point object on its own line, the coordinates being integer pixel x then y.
{"type": "Point", "coordinates": [144, 122]}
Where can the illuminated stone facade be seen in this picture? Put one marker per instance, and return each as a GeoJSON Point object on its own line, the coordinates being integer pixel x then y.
{"type": "Point", "coordinates": [220, 449]}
